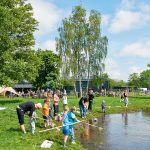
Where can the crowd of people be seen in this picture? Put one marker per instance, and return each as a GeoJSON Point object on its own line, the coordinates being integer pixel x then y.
{"type": "Point", "coordinates": [68, 117]}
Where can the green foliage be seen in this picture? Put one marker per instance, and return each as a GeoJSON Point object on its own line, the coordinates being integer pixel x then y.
{"type": "Point", "coordinates": [145, 78]}
{"type": "Point", "coordinates": [80, 45]}
{"type": "Point", "coordinates": [142, 80]}
{"type": "Point", "coordinates": [96, 45]}
{"type": "Point", "coordinates": [48, 72]}
{"type": "Point", "coordinates": [134, 80]}
{"type": "Point", "coordinates": [17, 26]}
{"type": "Point", "coordinates": [148, 65]}
{"type": "Point", "coordinates": [116, 83]}
{"type": "Point", "coordinates": [99, 80]}
{"type": "Point", "coordinates": [67, 82]}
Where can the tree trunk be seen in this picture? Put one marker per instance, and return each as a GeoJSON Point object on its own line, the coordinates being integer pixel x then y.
{"type": "Point", "coordinates": [87, 87]}
{"type": "Point", "coordinates": [75, 90]}
{"type": "Point", "coordinates": [80, 83]}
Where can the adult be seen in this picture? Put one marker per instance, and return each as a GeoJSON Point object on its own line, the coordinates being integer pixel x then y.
{"type": "Point", "coordinates": [91, 98]}
{"type": "Point", "coordinates": [83, 105]}
{"type": "Point", "coordinates": [56, 103]}
{"type": "Point", "coordinates": [24, 108]}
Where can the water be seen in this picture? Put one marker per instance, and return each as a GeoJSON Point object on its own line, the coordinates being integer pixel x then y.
{"type": "Point", "coordinates": [126, 131]}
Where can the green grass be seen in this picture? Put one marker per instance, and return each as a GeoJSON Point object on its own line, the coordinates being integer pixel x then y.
{"type": "Point", "coordinates": [12, 138]}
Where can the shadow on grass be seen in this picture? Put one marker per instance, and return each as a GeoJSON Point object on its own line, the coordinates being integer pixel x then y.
{"type": "Point", "coordinates": [13, 130]}
{"type": "Point", "coordinates": [3, 102]}
{"type": "Point", "coordinates": [141, 97]}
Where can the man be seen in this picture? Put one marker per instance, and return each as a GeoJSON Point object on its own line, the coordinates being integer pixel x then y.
{"type": "Point", "coordinates": [83, 105]}
{"type": "Point", "coordinates": [24, 108]}
{"type": "Point", "coordinates": [91, 98]}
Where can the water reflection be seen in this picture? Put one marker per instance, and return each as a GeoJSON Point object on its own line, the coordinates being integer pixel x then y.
{"type": "Point", "coordinates": [125, 118]}
{"type": "Point", "coordinates": [126, 131]}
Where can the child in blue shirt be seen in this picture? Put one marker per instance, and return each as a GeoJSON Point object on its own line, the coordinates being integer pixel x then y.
{"type": "Point", "coordinates": [65, 128]}
{"type": "Point", "coordinates": [72, 119]}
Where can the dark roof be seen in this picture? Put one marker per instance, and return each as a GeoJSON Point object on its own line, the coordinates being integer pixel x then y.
{"type": "Point", "coordinates": [23, 86]}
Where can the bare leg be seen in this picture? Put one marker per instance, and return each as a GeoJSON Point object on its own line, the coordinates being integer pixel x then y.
{"type": "Point", "coordinates": [23, 128]}
{"type": "Point", "coordinates": [65, 140]}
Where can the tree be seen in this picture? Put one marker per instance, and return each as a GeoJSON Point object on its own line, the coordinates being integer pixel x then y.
{"type": "Point", "coordinates": [148, 65]}
{"type": "Point", "coordinates": [48, 72]}
{"type": "Point", "coordinates": [96, 47]}
{"type": "Point", "coordinates": [80, 45]}
{"type": "Point", "coordinates": [17, 26]}
{"type": "Point", "coordinates": [145, 79]}
{"type": "Point", "coordinates": [116, 83]}
{"type": "Point", "coordinates": [100, 80]}
{"type": "Point", "coordinates": [134, 80]}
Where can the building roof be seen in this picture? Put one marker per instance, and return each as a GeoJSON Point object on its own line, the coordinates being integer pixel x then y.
{"type": "Point", "coordinates": [23, 86]}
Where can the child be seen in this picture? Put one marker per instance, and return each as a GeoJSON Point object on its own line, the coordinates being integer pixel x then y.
{"type": "Point", "coordinates": [125, 98]}
{"type": "Point", "coordinates": [65, 128]}
{"type": "Point", "coordinates": [45, 111]}
{"type": "Point", "coordinates": [56, 103]}
{"type": "Point", "coordinates": [103, 106]}
{"type": "Point", "coordinates": [122, 97]}
{"type": "Point", "coordinates": [49, 95]}
{"type": "Point", "coordinates": [64, 100]}
{"type": "Point", "coordinates": [72, 119]}
{"type": "Point", "coordinates": [32, 122]}
{"type": "Point", "coordinates": [50, 111]}
{"type": "Point", "coordinates": [86, 108]}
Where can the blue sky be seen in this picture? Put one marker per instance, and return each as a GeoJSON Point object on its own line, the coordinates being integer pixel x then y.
{"type": "Point", "coordinates": [124, 22]}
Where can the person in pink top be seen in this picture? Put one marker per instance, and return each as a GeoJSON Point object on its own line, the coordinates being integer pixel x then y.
{"type": "Point", "coordinates": [56, 102]}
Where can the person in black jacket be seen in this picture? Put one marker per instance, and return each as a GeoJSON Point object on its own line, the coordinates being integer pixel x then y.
{"type": "Point", "coordinates": [91, 98]}
{"type": "Point", "coordinates": [24, 108]}
{"type": "Point", "coordinates": [83, 105]}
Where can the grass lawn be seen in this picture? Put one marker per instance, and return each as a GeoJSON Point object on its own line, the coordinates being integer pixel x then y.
{"type": "Point", "coordinates": [11, 138]}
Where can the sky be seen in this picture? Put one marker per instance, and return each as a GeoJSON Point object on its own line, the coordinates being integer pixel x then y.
{"type": "Point", "coordinates": [126, 24]}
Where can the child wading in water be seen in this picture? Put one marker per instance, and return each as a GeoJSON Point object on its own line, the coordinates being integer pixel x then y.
{"type": "Point", "coordinates": [103, 106]}
{"type": "Point", "coordinates": [65, 122]}
{"type": "Point", "coordinates": [32, 122]}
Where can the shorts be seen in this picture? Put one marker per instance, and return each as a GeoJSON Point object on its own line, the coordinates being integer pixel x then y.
{"type": "Point", "coordinates": [126, 100]}
{"type": "Point", "coordinates": [20, 114]}
{"type": "Point", "coordinates": [45, 118]}
{"type": "Point", "coordinates": [65, 131]}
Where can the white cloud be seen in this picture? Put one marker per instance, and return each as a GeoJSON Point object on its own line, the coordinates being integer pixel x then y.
{"type": "Point", "coordinates": [131, 62]}
{"type": "Point", "coordinates": [130, 14]}
{"type": "Point", "coordinates": [49, 45]}
{"type": "Point", "coordinates": [135, 69]}
{"type": "Point", "coordinates": [128, 4]}
{"type": "Point", "coordinates": [145, 8]}
{"type": "Point", "coordinates": [47, 14]}
{"type": "Point", "coordinates": [112, 68]}
{"type": "Point", "coordinates": [140, 49]}
{"type": "Point", "coordinates": [105, 19]}
{"type": "Point", "coordinates": [125, 20]}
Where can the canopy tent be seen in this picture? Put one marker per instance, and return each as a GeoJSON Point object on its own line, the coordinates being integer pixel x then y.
{"type": "Point", "coordinates": [1, 89]}
{"type": "Point", "coordinates": [8, 89]}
